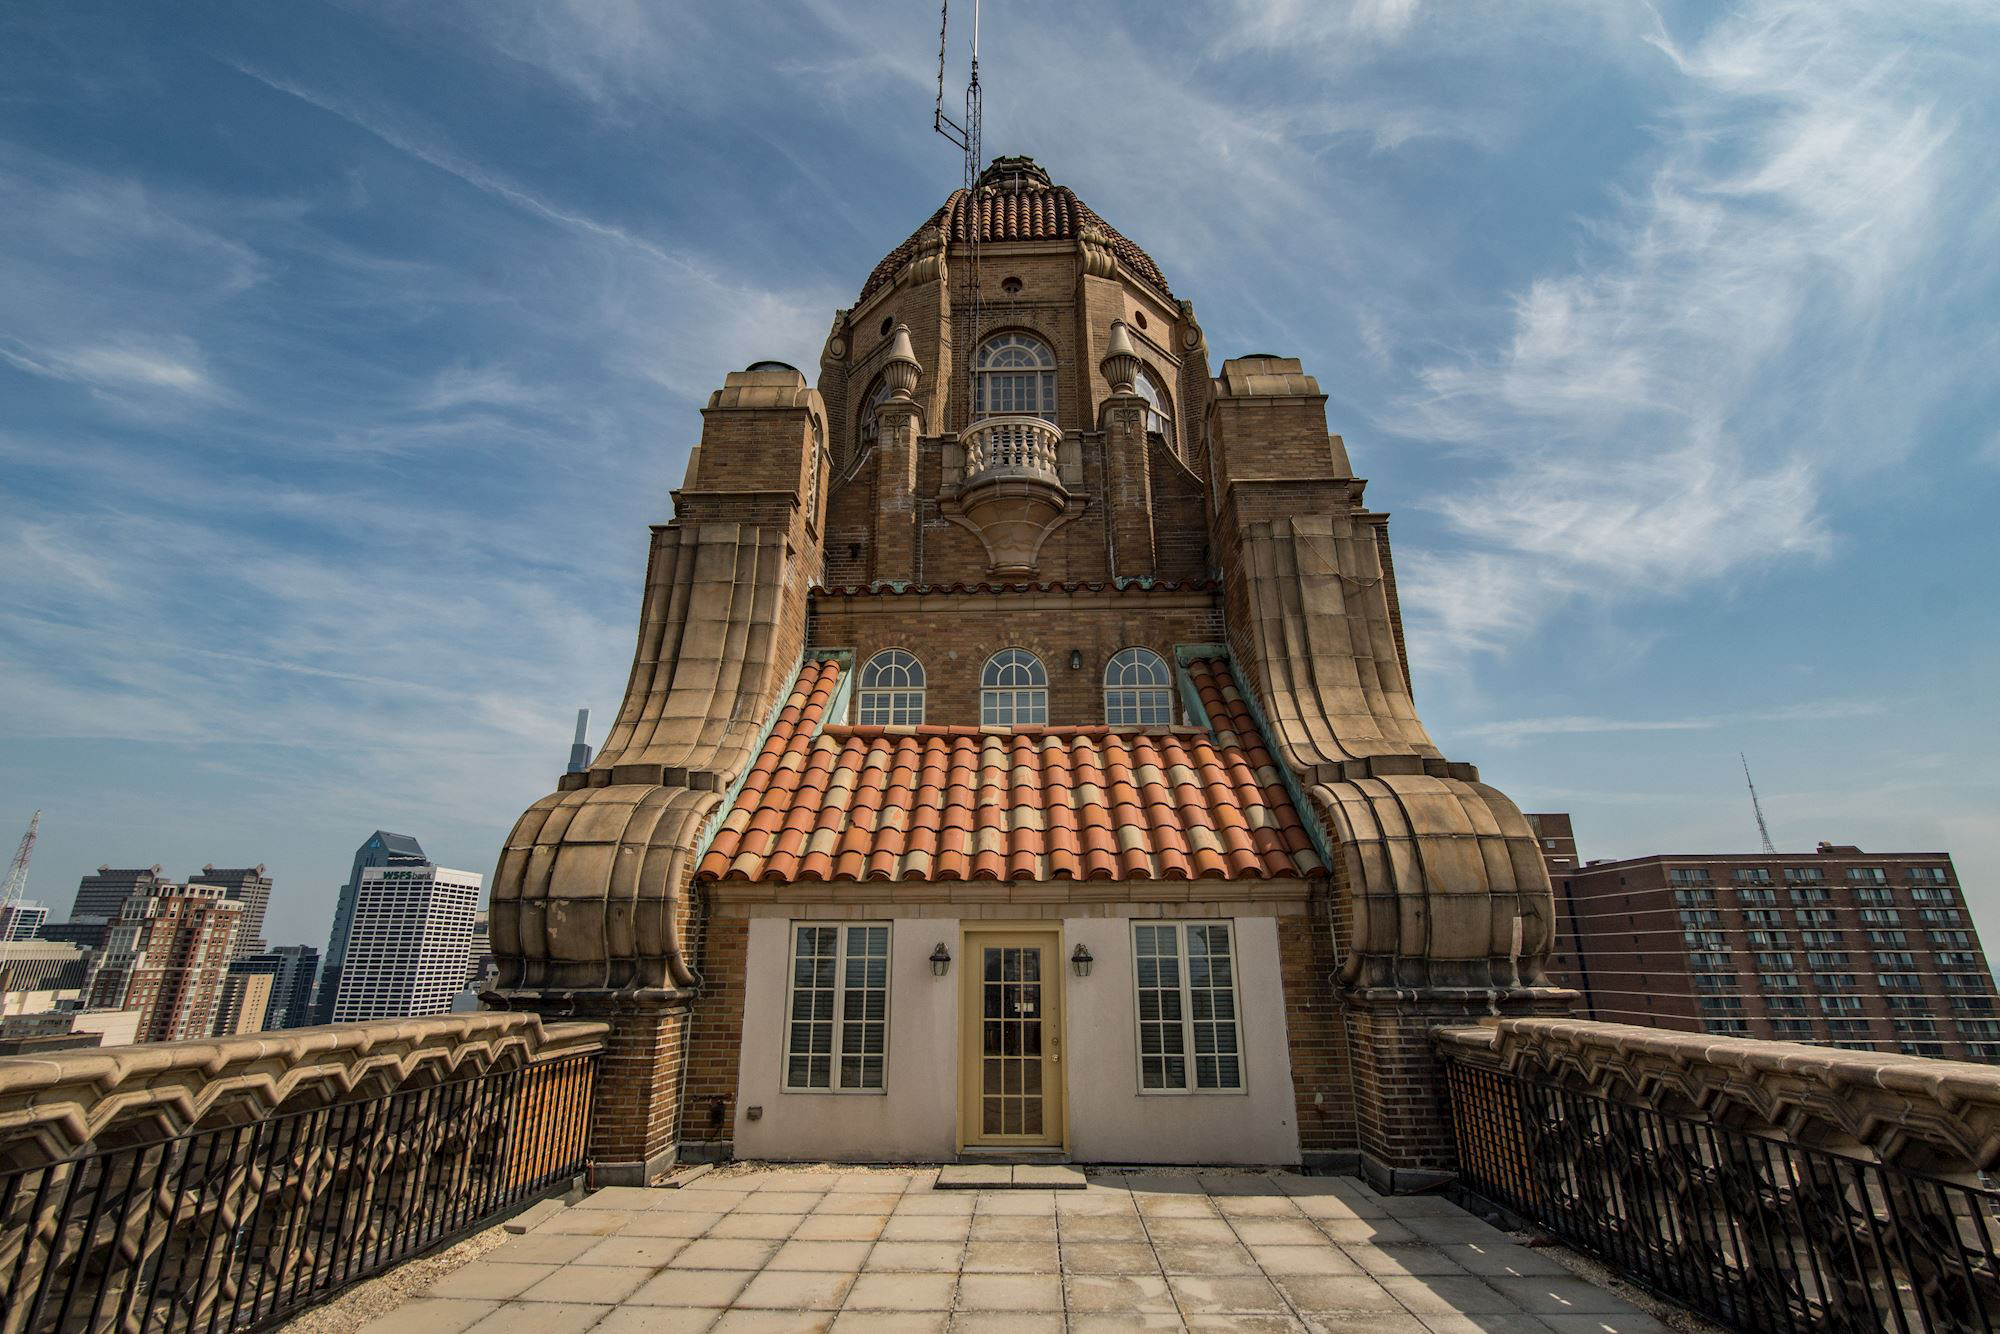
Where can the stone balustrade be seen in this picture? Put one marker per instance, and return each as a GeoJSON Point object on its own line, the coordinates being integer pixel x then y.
{"type": "Point", "coordinates": [57, 1105]}
{"type": "Point", "coordinates": [1916, 1112]}
{"type": "Point", "coordinates": [1011, 446]}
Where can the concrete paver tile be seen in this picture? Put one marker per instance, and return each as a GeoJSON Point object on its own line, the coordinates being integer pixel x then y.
{"type": "Point", "coordinates": [1022, 1203]}
{"type": "Point", "coordinates": [1212, 1322]}
{"type": "Point", "coordinates": [1562, 1296]}
{"type": "Point", "coordinates": [828, 1257]}
{"type": "Point", "coordinates": [1448, 1294]}
{"type": "Point", "coordinates": [1206, 1258]}
{"type": "Point", "coordinates": [656, 1320]}
{"type": "Point", "coordinates": [1462, 1228]}
{"type": "Point", "coordinates": [1634, 1323]}
{"type": "Point", "coordinates": [850, 1202]}
{"type": "Point", "coordinates": [1383, 1260]}
{"type": "Point", "coordinates": [798, 1183]}
{"type": "Point", "coordinates": [874, 1183]}
{"type": "Point", "coordinates": [902, 1292]}
{"type": "Point", "coordinates": [1010, 1292]}
{"type": "Point", "coordinates": [661, 1223]}
{"type": "Point", "coordinates": [1109, 1257]}
{"type": "Point", "coordinates": [589, 1284]}
{"type": "Point", "coordinates": [1304, 1260]}
{"type": "Point", "coordinates": [1055, 1176]}
{"type": "Point", "coordinates": [892, 1322]}
{"type": "Point", "coordinates": [1006, 1322]}
{"type": "Point", "coordinates": [724, 1253]}
{"type": "Point", "coordinates": [1278, 1232]}
{"type": "Point", "coordinates": [773, 1322]}
{"type": "Point", "coordinates": [550, 1248]}
{"type": "Point", "coordinates": [691, 1287]}
{"type": "Point", "coordinates": [972, 1176]}
{"type": "Point", "coordinates": [1193, 1232]}
{"type": "Point", "coordinates": [1375, 1322]}
{"type": "Point", "coordinates": [926, 1256]}
{"type": "Point", "coordinates": [602, 1222]}
{"type": "Point", "coordinates": [1257, 1206]}
{"type": "Point", "coordinates": [1009, 1257]}
{"type": "Point", "coordinates": [1107, 1227]}
{"type": "Point", "coordinates": [1203, 1293]}
{"type": "Point", "coordinates": [776, 1291]}
{"type": "Point", "coordinates": [1346, 1292]}
{"type": "Point", "coordinates": [1427, 1206]}
{"type": "Point", "coordinates": [757, 1227]}
{"type": "Point", "coordinates": [431, 1315]}
{"type": "Point", "coordinates": [1505, 1260]}
{"type": "Point", "coordinates": [1339, 1206]}
{"type": "Point", "coordinates": [943, 1202]}
{"type": "Point", "coordinates": [1127, 1293]}
{"type": "Point", "coordinates": [1095, 1202]}
{"type": "Point", "coordinates": [1012, 1227]}
{"type": "Point", "coordinates": [619, 1197]}
{"type": "Point", "coordinates": [840, 1227]}
{"type": "Point", "coordinates": [1101, 1323]}
{"type": "Point", "coordinates": [483, 1280]}
{"type": "Point", "coordinates": [1367, 1231]}
{"type": "Point", "coordinates": [1174, 1206]}
{"type": "Point", "coordinates": [1501, 1323]}
{"type": "Point", "coordinates": [541, 1318]}
{"type": "Point", "coordinates": [928, 1227]}
{"type": "Point", "coordinates": [644, 1252]}
{"type": "Point", "coordinates": [781, 1202]}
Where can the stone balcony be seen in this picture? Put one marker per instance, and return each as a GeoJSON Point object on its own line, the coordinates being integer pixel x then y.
{"type": "Point", "coordinates": [1011, 490]}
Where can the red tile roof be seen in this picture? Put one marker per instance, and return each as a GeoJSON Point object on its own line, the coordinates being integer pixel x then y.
{"type": "Point", "coordinates": [1049, 803]}
{"type": "Point", "coordinates": [1014, 204]}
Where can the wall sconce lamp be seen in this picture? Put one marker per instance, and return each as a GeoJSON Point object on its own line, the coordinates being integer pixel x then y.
{"type": "Point", "coordinates": [1076, 659]}
{"type": "Point", "coordinates": [1081, 960]}
{"type": "Point", "coordinates": [940, 960]}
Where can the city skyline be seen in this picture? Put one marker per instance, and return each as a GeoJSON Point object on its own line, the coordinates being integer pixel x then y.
{"type": "Point", "coordinates": [328, 327]}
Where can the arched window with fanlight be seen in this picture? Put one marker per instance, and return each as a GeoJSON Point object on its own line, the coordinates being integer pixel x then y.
{"type": "Point", "coordinates": [1159, 408]}
{"type": "Point", "coordinates": [890, 691]}
{"type": "Point", "coordinates": [1014, 690]}
{"type": "Point", "coordinates": [1138, 690]}
{"type": "Point", "coordinates": [867, 430]}
{"type": "Point", "coordinates": [1014, 374]}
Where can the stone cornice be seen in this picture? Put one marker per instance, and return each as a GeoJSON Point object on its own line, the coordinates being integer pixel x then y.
{"type": "Point", "coordinates": [1912, 1111]}
{"type": "Point", "coordinates": [53, 1106]}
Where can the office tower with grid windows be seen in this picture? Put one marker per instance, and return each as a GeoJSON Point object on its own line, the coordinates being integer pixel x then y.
{"type": "Point", "coordinates": [166, 956]}
{"type": "Point", "coordinates": [410, 944]}
{"type": "Point", "coordinates": [1869, 951]}
{"type": "Point", "coordinates": [249, 886]}
{"type": "Point", "coordinates": [381, 849]}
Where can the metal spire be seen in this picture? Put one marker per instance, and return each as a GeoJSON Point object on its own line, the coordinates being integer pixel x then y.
{"type": "Point", "coordinates": [1763, 830]}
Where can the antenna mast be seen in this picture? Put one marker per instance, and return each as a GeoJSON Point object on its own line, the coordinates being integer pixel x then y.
{"type": "Point", "coordinates": [964, 135]}
{"type": "Point", "coordinates": [1763, 830]}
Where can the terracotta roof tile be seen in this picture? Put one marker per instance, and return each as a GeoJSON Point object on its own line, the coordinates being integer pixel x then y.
{"type": "Point", "coordinates": [1056, 803]}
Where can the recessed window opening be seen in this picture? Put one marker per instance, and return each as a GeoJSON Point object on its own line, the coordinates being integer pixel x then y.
{"type": "Point", "coordinates": [1014, 690]}
{"type": "Point", "coordinates": [1014, 374]}
{"type": "Point", "coordinates": [890, 691]}
{"type": "Point", "coordinates": [1137, 690]}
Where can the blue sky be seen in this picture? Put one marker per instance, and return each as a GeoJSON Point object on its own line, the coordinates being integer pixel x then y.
{"type": "Point", "coordinates": [346, 351]}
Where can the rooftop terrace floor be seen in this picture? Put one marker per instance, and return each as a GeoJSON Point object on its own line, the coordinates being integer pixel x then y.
{"type": "Point", "coordinates": [817, 1248]}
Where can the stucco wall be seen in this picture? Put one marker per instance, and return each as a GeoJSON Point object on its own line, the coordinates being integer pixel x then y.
{"type": "Point", "coordinates": [915, 1119]}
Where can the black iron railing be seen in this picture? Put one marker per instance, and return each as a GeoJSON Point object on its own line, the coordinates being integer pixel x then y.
{"type": "Point", "coordinates": [237, 1227]}
{"type": "Point", "coordinates": [1758, 1233]}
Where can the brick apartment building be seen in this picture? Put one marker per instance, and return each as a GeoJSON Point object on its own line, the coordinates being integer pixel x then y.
{"type": "Point", "coordinates": [1019, 755]}
{"type": "Point", "coordinates": [166, 955]}
{"type": "Point", "coordinates": [1870, 951]}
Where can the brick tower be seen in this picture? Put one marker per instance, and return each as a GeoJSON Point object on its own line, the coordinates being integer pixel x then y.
{"type": "Point", "coordinates": [1020, 737]}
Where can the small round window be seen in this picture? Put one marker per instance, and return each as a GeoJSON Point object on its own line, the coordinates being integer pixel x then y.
{"type": "Point", "coordinates": [1139, 318]}
{"type": "Point", "coordinates": [888, 323]}
{"type": "Point", "coordinates": [1010, 285]}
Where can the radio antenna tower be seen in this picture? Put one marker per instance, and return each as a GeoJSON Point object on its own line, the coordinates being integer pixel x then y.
{"type": "Point", "coordinates": [17, 881]}
{"type": "Point", "coordinates": [964, 135]}
{"type": "Point", "coordinates": [1763, 830]}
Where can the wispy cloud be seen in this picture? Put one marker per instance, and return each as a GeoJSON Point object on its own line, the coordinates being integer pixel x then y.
{"type": "Point", "coordinates": [1510, 731]}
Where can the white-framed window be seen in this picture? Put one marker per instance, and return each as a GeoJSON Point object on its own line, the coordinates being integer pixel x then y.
{"type": "Point", "coordinates": [837, 1024]}
{"type": "Point", "coordinates": [1015, 373]}
{"type": "Point", "coordinates": [1138, 690]}
{"type": "Point", "coordinates": [1013, 690]}
{"type": "Point", "coordinates": [868, 430]}
{"type": "Point", "coordinates": [890, 691]}
{"type": "Point", "coordinates": [1190, 1038]}
{"type": "Point", "coordinates": [1159, 408]}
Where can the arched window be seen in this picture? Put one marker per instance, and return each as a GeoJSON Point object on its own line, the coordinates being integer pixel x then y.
{"type": "Point", "coordinates": [867, 429]}
{"type": "Point", "coordinates": [1014, 690]}
{"type": "Point", "coordinates": [1015, 373]}
{"type": "Point", "coordinates": [890, 691]}
{"type": "Point", "coordinates": [1138, 690]}
{"type": "Point", "coordinates": [1159, 408]}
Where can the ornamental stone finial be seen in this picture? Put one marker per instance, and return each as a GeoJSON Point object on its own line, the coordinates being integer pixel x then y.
{"type": "Point", "coordinates": [902, 370]}
{"type": "Point", "coordinates": [1121, 363]}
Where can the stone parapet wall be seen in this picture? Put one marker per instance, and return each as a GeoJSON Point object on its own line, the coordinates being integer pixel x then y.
{"type": "Point", "coordinates": [1915, 1112]}
{"type": "Point", "coordinates": [57, 1105]}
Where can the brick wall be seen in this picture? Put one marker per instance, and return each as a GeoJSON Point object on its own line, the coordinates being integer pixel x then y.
{"type": "Point", "coordinates": [715, 1042]}
{"type": "Point", "coordinates": [1321, 1080]}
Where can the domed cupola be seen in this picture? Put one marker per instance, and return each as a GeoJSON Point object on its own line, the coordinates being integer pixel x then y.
{"type": "Point", "coordinates": [1015, 200]}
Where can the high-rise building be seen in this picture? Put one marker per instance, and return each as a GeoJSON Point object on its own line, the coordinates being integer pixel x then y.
{"type": "Point", "coordinates": [166, 956]}
{"type": "Point", "coordinates": [98, 899]}
{"type": "Point", "coordinates": [410, 945]}
{"type": "Point", "coordinates": [381, 849]}
{"type": "Point", "coordinates": [291, 968]}
{"type": "Point", "coordinates": [245, 1005]}
{"type": "Point", "coordinates": [249, 886]}
{"type": "Point", "coordinates": [1868, 950]}
{"type": "Point", "coordinates": [23, 921]}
